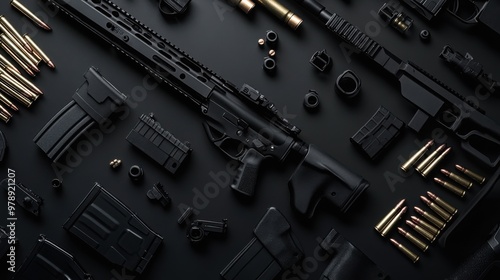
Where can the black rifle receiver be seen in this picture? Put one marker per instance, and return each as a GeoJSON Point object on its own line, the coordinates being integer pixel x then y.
{"type": "Point", "coordinates": [480, 134]}
{"type": "Point", "coordinates": [243, 120]}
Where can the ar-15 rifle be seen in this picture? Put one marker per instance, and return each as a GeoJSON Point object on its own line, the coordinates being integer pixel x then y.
{"type": "Point", "coordinates": [480, 134]}
{"type": "Point", "coordinates": [234, 119]}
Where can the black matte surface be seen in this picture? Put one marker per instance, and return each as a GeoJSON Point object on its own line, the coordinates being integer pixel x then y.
{"type": "Point", "coordinates": [225, 40]}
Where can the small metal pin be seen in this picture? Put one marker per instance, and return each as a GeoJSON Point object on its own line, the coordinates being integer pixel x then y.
{"type": "Point", "coordinates": [20, 7]}
{"type": "Point", "coordinates": [393, 222]}
{"type": "Point", "coordinates": [425, 225]}
{"type": "Point", "coordinates": [449, 186]}
{"type": "Point", "coordinates": [19, 53]}
{"type": "Point", "coordinates": [457, 178]}
{"type": "Point", "coordinates": [38, 51]}
{"type": "Point", "coordinates": [387, 218]}
{"type": "Point", "coordinates": [115, 163]}
{"type": "Point", "coordinates": [17, 59]}
{"type": "Point", "coordinates": [421, 166]}
{"type": "Point", "coordinates": [446, 206]}
{"type": "Point", "coordinates": [473, 175]}
{"type": "Point", "coordinates": [7, 102]}
{"type": "Point", "coordinates": [261, 42]}
{"type": "Point", "coordinates": [12, 93]}
{"type": "Point", "coordinates": [419, 243]}
{"type": "Point", "coordinates": [8, 28]}
{"type": "Point", "coordinates": [411, 161]}
{"type": "Point", "coordinates": [272, 53]}
{"type": "Point", "coordinates": [427, 235]}
{"type": "Point", "coordinates": [17, 85]}
{"type": "Point", "coordinates": [412, 256]}
{"type": "Point", "coordinates": [431, 218]}
{"type": "Point", "coordinates": [437, 209]}
{"type": "Point", "coordinates": [434, 163]}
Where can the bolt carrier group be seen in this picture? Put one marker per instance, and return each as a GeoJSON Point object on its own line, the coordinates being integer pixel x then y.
{"type": "Point", "coordinates": [28, 55]}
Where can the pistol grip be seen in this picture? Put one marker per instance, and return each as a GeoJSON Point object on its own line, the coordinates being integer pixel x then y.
{"type": "Point", "coordinates": [246, 176]}
{"type": "Point", "coordinates": [318, 177]}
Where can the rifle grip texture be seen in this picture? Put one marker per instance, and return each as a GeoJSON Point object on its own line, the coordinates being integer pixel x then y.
{"type": "Point", "coordinates": [246, 176]}
{"type": "Point", "coordinates": [475, 265]}
{"type": "Point", "coordinates": [318, 177]}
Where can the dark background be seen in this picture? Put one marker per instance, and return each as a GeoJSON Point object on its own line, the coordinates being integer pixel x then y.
{"type": "Point", "coordinates": [225, 40]}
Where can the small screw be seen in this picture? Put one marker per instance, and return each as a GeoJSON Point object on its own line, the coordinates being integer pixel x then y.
{"type": "Point", "coordinates": [272, 53]}
{"type": "Point", "coordinates": [115, 163]}
{"type": "Point", "coordinates": [261, 42]}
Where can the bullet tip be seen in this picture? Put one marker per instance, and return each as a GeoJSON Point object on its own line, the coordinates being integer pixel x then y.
{"type": "Point", "coordinates": [424, 199]}
{"type": "Point", "coordinates": [51, 64]}
{"type": "Point", "coordinates": [431, 195]}
{"type": "Point", "coordinates": [393, 241]}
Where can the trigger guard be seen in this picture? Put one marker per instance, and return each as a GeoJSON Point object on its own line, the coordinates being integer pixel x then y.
{"type": "Point", "coordinates": [475, 152]}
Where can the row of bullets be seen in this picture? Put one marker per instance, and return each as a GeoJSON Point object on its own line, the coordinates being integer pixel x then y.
{"type": "Point", "coordinates": [429, 227]}
{"type": "Point", "coordinates": [28, 55]}
{"type": "Point", "coordinates": [430, 162]}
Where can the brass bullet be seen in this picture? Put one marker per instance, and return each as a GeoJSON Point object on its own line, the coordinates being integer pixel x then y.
{"type": "Point", "coordinates": [419, 243]}
{"type": "Point", "coordinates": [8, 28]}
{"type": "Point", "coordinates": [17, 85]}
{"type": "Point", "coordinates": [437, 209]}
{"type": "Point", "coordinates": [434, 163]}
{"type": "Point", "coordinates": [409, 163]}
{"type": "Point", "coordinates": [412, 256]}
{"type": "Point", "coordinates": [446, 206]}
{"type": "Point", "coordinates": [281, 12]}
{"type": "Point", "coordinates": [21, 50]}
{"type": "Point", "coordinates": [38, 51]}
{"type": "Point", "coordinates": [17, 59]}
{"type": "Point", "coordinates": [427, 235]}
{"type": "Point", "coordinates": [457, 178]}
{"type": "Point", "coordinates": [4, 111]}
{"type": "Point", "coordinates": [20, 7]}
{"type": "Point", "coordinates": [7, 102]}
{"type": "Point", "coordinates": [425, 225]}
{"type": "Point", "coordinates": [5, 118]}
{"type": "Point", "coordinates": [14, 94]}
{"type": "Point", "coordinates": [421, 166]}
{"type": "Point", "coordinates": [6, 64]}
{"type": "Point", "coordinates": [476, 177]}
{"type": "Point", "coordinates": [261, 42]}
{"type": "Point", "coordinates": [393, 222]}
{"type": "Point", "coordinates": [24, 81]}
{"type": "Point", "coordinates": [449, 186]}
{"type": "Point", "coordinates": [21, 54]}
{"type": "Point", "coordinates": [387, 218]}
{"type": "Point", "coordinates": [245, 5]}
{"type": "Point", "coordinates": [431, 218]}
